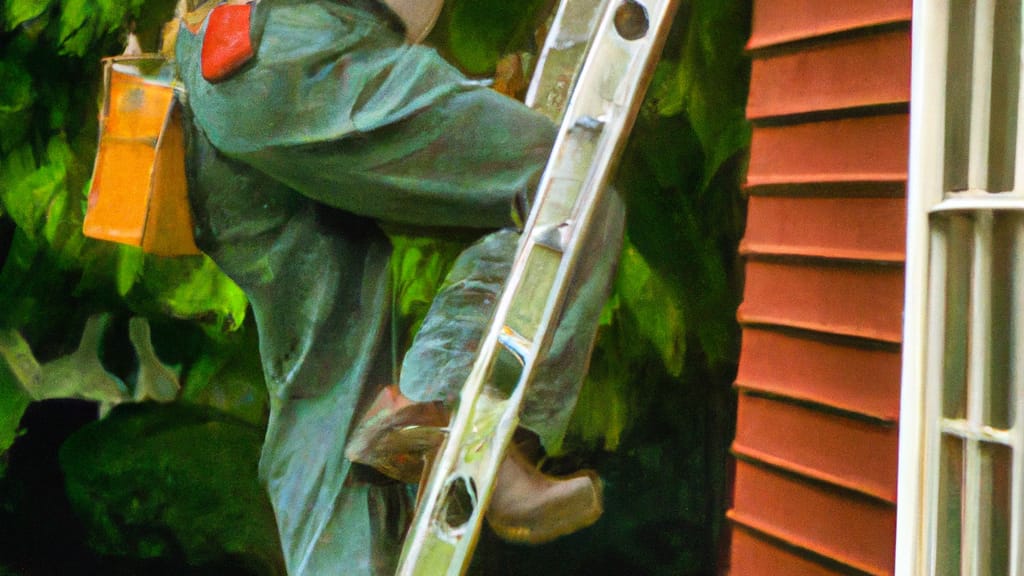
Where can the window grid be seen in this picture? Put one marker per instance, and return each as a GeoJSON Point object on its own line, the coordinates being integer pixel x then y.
{"type": "Point", "coordinates": [970, 476]}
{"type": "Point", "coordinates": [989, 523]}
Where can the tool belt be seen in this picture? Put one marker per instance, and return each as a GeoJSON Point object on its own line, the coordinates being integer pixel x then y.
{"type": "Point", "coordinates": [138, 193]}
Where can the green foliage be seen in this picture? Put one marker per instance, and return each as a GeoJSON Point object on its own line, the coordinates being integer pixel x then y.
{"type": "Point", "coordinates": [15, 100]}
{"type": "Point", "coordinates": [83, 22]}
{"type": "Point", "coordinates": [17, 366]}
{"type": "Point", "coordinates": [175, 479]}
{"type": "Point", "coordinates": [17, 12]}
{"type": "Point", "coordinates": [152, 480]}
{"type": "Point", "coordinates": [655, 308]}
{"type": "Point", "coordinates": [678, 286]}
{"type": "Point", "coordinates": [191, 289]}
{"type": "Point", "coordinates": [480, 32]}
{"type": "Point", "coordinates": [418, 268]}
{"type": "Point", "coordinates": [228, 376]}
{"type": "Point", "coordinates": [29, 187]}
{"type": "Point", "coordinates": [52, 278]}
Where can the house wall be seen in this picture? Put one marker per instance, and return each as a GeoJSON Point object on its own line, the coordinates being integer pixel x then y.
{"type": "Point", "coordinates": [818, 382]}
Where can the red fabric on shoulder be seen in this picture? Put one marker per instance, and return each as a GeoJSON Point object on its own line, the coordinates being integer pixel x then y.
{"type": "Point", "coordinates": [227, 45]}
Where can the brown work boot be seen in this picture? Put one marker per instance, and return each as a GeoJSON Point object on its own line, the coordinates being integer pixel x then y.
{"type": "Point", "coordinates": [398, 437]}
{"type": "Point", "coordinates": [530, 507]}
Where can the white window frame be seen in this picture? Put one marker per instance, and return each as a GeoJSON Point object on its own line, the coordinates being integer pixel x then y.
{"type": "Point", "coordinates": [921, 418]}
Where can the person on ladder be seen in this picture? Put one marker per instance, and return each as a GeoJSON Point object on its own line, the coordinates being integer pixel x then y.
{"type": "Point", "coordinates": [310, 124]}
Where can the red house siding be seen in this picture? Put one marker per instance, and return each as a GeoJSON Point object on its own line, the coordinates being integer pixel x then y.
{"type": "Point", "coordinates": [816, 441]}
{"type": "Point", "coordinates": [873, 229]}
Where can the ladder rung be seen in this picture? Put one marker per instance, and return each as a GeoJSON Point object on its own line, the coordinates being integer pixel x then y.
{"type": "Point", "coordinates": [588, 122]}
{"type": "Point", "coordinates": [553, 237]}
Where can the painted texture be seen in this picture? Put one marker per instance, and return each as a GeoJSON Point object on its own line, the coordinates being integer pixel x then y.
{"type": "Point", "coordinates": [816, 443]}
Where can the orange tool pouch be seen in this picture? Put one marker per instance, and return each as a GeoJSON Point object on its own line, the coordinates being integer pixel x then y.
{"type": "Point", "coordinates": [138, 194]}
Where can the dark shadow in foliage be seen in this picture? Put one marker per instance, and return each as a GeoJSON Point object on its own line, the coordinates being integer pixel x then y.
{"type": "Point", "coordinates": [173, 485]}
{"type": "Point", "coordinates": [39, 533]}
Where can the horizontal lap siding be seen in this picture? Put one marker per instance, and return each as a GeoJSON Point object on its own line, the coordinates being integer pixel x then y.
{"type": "Point", "coordinates": [753, 555]}
{"type": "Point", "coordinates": [855, 531]}
{"type": "Point", "coordinates": [863, 301]}
{"type": "Point", "coordinates": [868, 229]}
{"type": "Point", "coordinates": [839, 449]}
{"type": "Point", "coordinates": [845, 75]}
{"type": "Point", "coordinates": [816, 442]}
{"type": "Point", "coordinates": [841, 375]}
{"type": "Point", "coordinates": [780, 21]}
{"type": "Point", "coordinates": [870, 149]}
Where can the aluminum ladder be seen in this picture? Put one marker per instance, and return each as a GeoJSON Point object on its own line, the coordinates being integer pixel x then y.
{"type": "Point", "coordinates": [625, 38]}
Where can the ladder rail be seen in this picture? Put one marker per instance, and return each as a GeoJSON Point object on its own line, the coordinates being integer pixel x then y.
{"type": "Point", "coordinates": [562, 56]}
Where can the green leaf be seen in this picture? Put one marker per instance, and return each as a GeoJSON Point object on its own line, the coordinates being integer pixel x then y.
{"type": "Point", "coordinates": [655, 304]}
{"type": "Point", "coordinates": [15, 87]}
{"type": "Point", "coordinates": [714, 76]}
{"type": "Point", "coordinates": [84, 22]}
{"type": "Point", "coordinates": [482, 31]}
{"type": "Point", "coordinates": [19, 11]}
{"type": "Point", "coordinates": [27, 189]}
{"type": "Point", "coordinates": [18, 371]}
{"type": "Point", "coordinates": [191, 288]}
{"type": "Point", "coordinates": [229, 376]}
{"type": "Point", "coordinates": [418, 268]}
{"type": "Point", "coordinates": [668, 90]}
{"type": "Point", "coordinates": [177, 481]}
{"type": "Point", "coordinates": [130, 264]}
{"type": "Point", "coordinates": [77, 26]}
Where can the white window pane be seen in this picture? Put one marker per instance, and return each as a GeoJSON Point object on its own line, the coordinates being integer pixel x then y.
{"type": "Point", "coordinates": [1000, 400]}
{"type": "Point", "coordinates": [951, 482]}
{"type": "Point", "coordinates": [959, 246]}
{"type": "Point", "coordinates": [995, 509]}
{"type": "Point", "coordinates": [958, 93]}
{"type": "Point", "coordinates": [1005, 93]}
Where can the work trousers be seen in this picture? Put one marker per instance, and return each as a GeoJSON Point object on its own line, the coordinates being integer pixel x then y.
{"type": "Point", "coordinates": [334, 128]}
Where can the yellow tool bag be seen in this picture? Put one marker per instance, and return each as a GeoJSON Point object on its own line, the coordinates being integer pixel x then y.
{"type": "Point", "coordinates": [138, 194]}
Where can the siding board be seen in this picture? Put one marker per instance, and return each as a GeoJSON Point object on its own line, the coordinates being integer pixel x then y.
{"type": "Point", "coordinates": [858, 301]}
{"type": "Point", "coordinates": [864, 71]}
{"type": "Point", "coordinates": [855, 454]}
{"type": "Point", "coordinates": [851, 530]}
{"type": "Point", "coordinates": [753, 556]}
{"type": "Point", "coordinates": [845, 228]}
{"type": "Point", "coordinates": [780, 21]}
{"type": "Point", "coordinates": [850, 378]}
{"type": "Point", "coordinates": [864, 149]}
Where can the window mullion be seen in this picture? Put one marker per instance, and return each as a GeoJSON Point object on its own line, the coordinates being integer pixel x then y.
{"type": "Point", "coordinates": [979, 362]}
{"type": "Point", "coordinates": [978, 384]}
{"type": "Point", "coordinates": [934, 373]}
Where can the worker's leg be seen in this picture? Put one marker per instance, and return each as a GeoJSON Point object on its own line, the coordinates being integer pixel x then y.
{"type": "Point", "coordinates": [444, 349]}
{"type": "Point", "coordinates": [317, 280]}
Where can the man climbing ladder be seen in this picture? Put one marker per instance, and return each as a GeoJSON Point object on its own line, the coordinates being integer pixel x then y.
{"type": "Point", "coordinates": [308, 124]}
{"type": "Point", "coordinates": [312, 124]}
